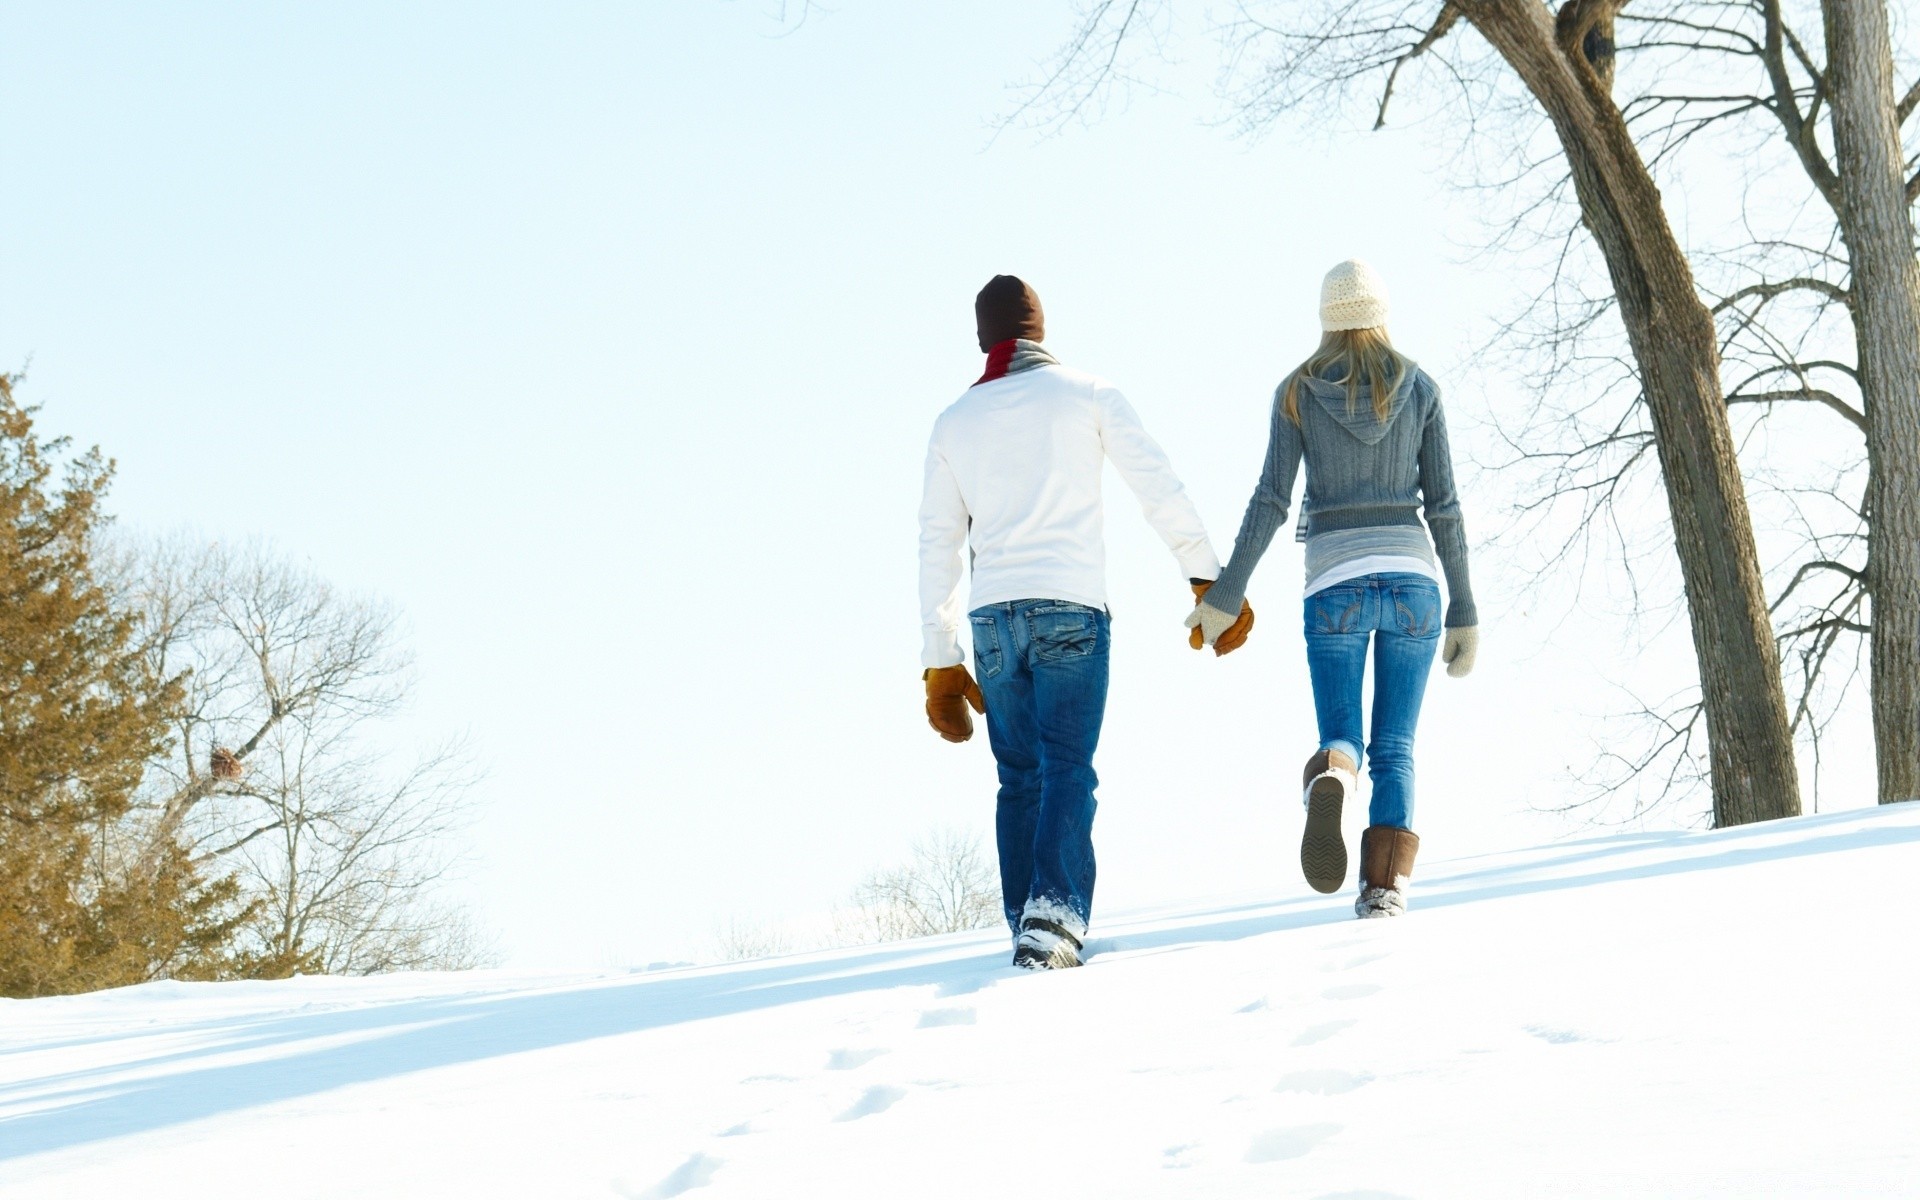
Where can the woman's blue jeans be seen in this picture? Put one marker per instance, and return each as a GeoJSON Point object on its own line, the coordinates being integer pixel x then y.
{"type": "Point", "coordinates": [1042, 665]}
{"type": "Point", "coordinates": [1400, 612]}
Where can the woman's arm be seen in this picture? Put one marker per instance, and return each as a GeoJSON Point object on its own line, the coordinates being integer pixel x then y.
{"type": "Point", "coordinates": [1442, 507]}
{"type": "Point", "coordinates": [1266, 513]}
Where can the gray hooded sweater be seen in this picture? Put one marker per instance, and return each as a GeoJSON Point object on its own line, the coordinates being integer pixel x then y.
{"type": "Point", "coordinates": [1362, 474]}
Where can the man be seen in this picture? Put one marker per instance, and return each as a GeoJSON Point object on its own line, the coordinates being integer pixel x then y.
{"type": "Point", "coordinates": [1014, 469]}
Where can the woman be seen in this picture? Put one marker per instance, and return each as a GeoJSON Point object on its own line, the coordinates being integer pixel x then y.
{"type": "Point", "coordinates": [1369, 425]}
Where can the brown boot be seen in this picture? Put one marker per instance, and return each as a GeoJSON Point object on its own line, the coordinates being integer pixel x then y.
{"type": "Point", "coordinates": [1326, 783]}
{"type": "Point", "coordinates": [1386, 870]}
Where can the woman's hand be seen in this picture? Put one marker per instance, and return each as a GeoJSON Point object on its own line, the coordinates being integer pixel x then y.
{"type": "Point", "coordinates": [1211, 627]}
{"type": "Point", "coordinates": [1458, 649]}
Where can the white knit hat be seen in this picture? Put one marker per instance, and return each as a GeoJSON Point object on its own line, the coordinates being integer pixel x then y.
{"type": "Point", "coordinates": [1352, 296]}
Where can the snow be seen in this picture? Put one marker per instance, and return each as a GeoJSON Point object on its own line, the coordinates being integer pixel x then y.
{"type": "Point", "coordinates": [1656, 1014]}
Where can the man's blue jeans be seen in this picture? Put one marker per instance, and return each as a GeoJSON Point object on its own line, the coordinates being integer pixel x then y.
{"type": "Point", "coordinates": [1042, 665]}
{"type": "Point", "coordinates": [1401, 613]}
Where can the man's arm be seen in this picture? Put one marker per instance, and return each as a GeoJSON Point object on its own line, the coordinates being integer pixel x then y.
{"type": "Point", "coordinates": [1143, 465]}
{"type": "Point", "coordinates": [943, 531]}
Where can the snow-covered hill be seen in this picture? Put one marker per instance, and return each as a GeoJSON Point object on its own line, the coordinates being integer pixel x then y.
{"type": "Point", "coordinates": [1714, 1014]}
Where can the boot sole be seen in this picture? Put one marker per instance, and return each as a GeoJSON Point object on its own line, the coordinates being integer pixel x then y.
{"type": "Point", "coordinates": [1030, 958]}
{"type": "Point", "coordinates": [1323, 852]}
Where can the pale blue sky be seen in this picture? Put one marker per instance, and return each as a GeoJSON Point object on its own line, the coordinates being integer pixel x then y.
{"type": "Point", "coordinates": [604, 340]}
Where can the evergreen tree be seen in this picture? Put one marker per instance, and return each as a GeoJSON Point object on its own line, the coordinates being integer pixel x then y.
{"type": "Point", "coordinates": [81, 713]}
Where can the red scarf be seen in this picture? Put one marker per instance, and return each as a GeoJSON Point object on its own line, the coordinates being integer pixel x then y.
{"type": "Point", "coordinates": [1008, 358]}
{"type": "Point", "coordinates": [997, 360]}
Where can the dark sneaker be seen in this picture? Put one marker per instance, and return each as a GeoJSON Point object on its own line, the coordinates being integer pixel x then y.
{"type": "Point", "coordinates": [1045, 946]}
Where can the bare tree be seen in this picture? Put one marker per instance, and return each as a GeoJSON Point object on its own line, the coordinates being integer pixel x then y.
{"type": "Point", "coordinates": [1810, 288]}
{"type": "Point", "coordinates": [1878, 185]}
{"type": "Point", "coordinates": [948, 886]}
{"type": "Point", "coordinates": [1320, 51]}
{"type": "Point", "coordinates": [274, 775]}
{"type": "Point", "coordinates": [738, 938]}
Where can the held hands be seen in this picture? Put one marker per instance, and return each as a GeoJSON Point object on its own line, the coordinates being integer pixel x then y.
{"type": "Point", "coordinates": [949, 691]}
{"type": "Point", "coordinates": [1458, 649]}
{"type": "Point", "coordinates": [1211, 627]}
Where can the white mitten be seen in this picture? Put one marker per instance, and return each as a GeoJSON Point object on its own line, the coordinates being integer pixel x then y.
{"type": "Point", "coordinates": [1458, 649]}
{"type": "Point", "coordinates": [1212, 621]}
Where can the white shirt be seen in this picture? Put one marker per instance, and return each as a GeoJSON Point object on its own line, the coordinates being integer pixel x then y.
{"type": "Point", "coordinates": [1014, 468]}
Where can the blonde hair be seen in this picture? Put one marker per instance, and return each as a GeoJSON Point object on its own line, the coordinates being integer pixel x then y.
{"type": "Point", "coordinates": [1368, 356]}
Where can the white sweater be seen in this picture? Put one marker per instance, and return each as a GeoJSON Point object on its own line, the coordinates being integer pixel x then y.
{"type": "Point", "coordinates": [1014, 467]}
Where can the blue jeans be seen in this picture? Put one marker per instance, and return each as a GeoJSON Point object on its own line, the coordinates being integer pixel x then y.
{"type": "Point", "coordinates": [1401, 613]}
{"type": "Point", "coordinates": [1042, 665]}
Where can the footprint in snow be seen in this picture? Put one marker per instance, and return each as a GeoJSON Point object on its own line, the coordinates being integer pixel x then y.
{"type": "Point", "coordinates": [1325, 1082]}
{"type": "Point", "coordinates": [1360, 1195]}
{"type": "Point", "coordinates": [1557, 1037]}
{"type": "Point", "coordinates": [1363, 960]}
{"type": "Point", "coordinates": [946, 1016]}
{"type": "Point", "coordinates": [1321, 1032]}
{"type": "Point", "coordinates": [847, 1060]}
{"type": "Point", "coordinates": [1259, 1005]}
{"type": "Point", "coordinates": [1350, 991]}
{"type": "Point", "coordinates": [695, 1172]}
{"type": "Point", "coordinates": [875, 1099]}
{"type": "Point", "coordinates": [1178, 1157]}
{"type": "Point", "coordinates": [1296, 1141]}
{"type": "Point", "coordinates": [744, 1127]}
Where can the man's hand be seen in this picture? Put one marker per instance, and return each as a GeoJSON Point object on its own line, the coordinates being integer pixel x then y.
{"type": "Point", "coordinates": [1211, 627]}
{"type": "Point", "coordinates": [949, 691]}
{"type": "Point", "coordinates": [1458, 649]}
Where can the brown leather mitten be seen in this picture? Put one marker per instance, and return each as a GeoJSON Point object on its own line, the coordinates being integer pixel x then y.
{"type": "Point", "coordinates": [949, 691]}
{"type": "Point", "coordinates": [1236, 634]}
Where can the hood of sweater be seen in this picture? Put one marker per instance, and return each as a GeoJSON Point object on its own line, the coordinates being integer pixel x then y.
{"type": "Point", "coordinates": [1331, 395]}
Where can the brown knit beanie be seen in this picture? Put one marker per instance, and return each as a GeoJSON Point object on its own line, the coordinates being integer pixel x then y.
{"type": "Point", "coordinates": [1007, 308]}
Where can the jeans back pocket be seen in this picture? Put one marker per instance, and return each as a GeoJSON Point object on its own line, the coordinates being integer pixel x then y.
{"type": "Point", "coordinates": [987, 655]}
{"type": "Point", "coordinates": [1416, 609]}
{"type": "Point", "coordinates": [1336, 609]}
{"type": "Point", "coordinates": [1062, 631]}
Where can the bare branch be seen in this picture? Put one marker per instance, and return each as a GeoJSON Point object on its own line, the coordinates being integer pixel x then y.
{"type": "Point", "coordinates": [1817, 395]}
{"type": "Point", "coordinates": [1800, 130]}
{"type": "Point", "coordinates": [1085, 67]}
{"type": "Point", "coordinates": [1441, 25]}
{"type": "Point", "coordinates": [1769, 291]}
{"type": "Point", "coordinates": [1809, 568]}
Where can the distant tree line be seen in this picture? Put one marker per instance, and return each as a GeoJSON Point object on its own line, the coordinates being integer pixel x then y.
{"type": "Point", "coordinates": [947, 884]}
{"type": "Point", "coordinates": [187, 785]}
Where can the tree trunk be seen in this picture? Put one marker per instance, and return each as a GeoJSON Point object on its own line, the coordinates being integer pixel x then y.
{"type": "Point", "coordinates": [1875, 221]}
{"type": "Point", "coordinates": [1750, 742]}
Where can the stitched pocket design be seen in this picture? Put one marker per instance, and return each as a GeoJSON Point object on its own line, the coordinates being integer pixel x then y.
{"type": "Point", "coordinates": [1335, 610]}
{"type": "Point", "coordinates": [1063, 631]}
{"type": "Point", "coordinates": [987, 657]}
{"type": "Point", "coordinates": [1416, 610]}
